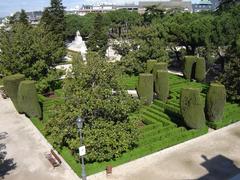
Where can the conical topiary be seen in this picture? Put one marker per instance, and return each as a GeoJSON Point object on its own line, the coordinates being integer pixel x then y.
{"type": "Point", "coordinates": [192, 108]}
{"type": "Point", "coordinates": [150, 65]}
{"type": "Point", "coordinates": [11, 84]}
{"type": "Point", "coordinates": [215, 102]}
{"type": "Point", "coordinates": [200, 73]}
{"type": "Point", "coordinates": [162, 85]}
{"type": "Point", "coordinates": [145, 88]}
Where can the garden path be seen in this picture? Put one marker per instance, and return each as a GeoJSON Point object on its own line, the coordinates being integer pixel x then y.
{"type": "Point", "coordinates": [213, 156]}
{"type": "Point", "coordinates": [25, 148]}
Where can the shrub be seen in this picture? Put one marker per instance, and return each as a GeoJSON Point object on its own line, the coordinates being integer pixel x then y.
{"type": "Point", "coordinates": [150, 65]}
{"type": "Point", "coordinates": [162, 85]}
{"type": "Point", "coordinates": [159, 66]}
{"type": "Point", "coordinates": [188, 66]}
{"type": "Point", "coordinates": [192, 108]}
{"type": "Point", "coordinates": [145, 88]}
{"type": "Point", "coordinates": [200, 73]}
{"type": "Point", "coordinates": [11, 84]}
{"type": "Point", "coordinates": [28, 100]}
{"type": "Point", "coordinates": [215, 101]}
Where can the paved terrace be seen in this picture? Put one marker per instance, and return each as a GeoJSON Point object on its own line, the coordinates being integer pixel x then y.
{"type": "Point", "coordinates": [214, 156]}
{"type": "Point", "coordinates": [25, 148]}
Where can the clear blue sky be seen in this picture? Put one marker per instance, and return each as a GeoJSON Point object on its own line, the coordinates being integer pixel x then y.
{"type": "Point", "coordinates": [10, 6]}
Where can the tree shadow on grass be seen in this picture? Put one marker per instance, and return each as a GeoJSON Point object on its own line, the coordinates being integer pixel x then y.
{"type": "Point", "coordinates": [6, 165]}
{"type": "Point", "coordinates": [219, 167]}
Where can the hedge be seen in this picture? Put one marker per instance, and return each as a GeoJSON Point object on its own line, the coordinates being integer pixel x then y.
{"type": "Point", "coordinates": [150, 65]}
{"type": "Point", "coordinates": [28, 99]}
{"type": "Point", "coordinates": [145, 88]}
{"type": "Point", "coordinates": [215, 102]}
{"type": "Point", "coordinates": [162, 85]}
{"type": "Point", "coordinates": [188, 66]}
{"type": "Point", "coordinates": [200, 73]}
{"type": "Point", "coordinates": [192, 108]}
{"type": "Point", "coordinates": [11, 84]}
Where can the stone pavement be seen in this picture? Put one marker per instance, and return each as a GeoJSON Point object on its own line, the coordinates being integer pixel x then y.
{"type": "Point", "coordinates": [25, 148]}
{"type": "Point", "coordinates": [214, 156]}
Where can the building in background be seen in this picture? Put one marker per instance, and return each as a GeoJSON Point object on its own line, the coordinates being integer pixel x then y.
{"type": "Point", "coordinates": [103, 8]}
{"type": "Point", "coordinates": [206, 5]}
{"type": "Point", "coordinates": [215, 4]}
{"type": "Point", "coordinates": [171, 4]}
{"type": "Point", "coordinates": [203, 5]}
{"type": "Point", "coordinates": [34, 16]}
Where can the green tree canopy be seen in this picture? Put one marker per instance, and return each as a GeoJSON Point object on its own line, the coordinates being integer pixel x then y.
{"type": "Point", "coordinates": [88, 93]}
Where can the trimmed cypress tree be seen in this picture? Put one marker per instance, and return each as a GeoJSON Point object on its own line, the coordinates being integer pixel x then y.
{"type": "Point", "coordinates": [215, 102]}
{"type": "Point", "coordinates": [188, 66]}
{"type": "Point", "coordinates": [28, 100]}
{"type": "Point", "coordinates": [145, 88]}
{"type": "Point", "coordinates": [150, 65]}
{"type": "Point", "coordinates": [200, 73]}
{"type": "Point", "coordinates": [11, 84]}
{"type": "Point", "coordinates": [162, 85]}
{"type": "Point", "coordinates": [192, 108]}
{"type": "Point", "coordinates": [159, 66]}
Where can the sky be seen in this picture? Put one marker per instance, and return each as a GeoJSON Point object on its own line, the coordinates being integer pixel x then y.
{"type": "Point", "coordinates": [8, 7]}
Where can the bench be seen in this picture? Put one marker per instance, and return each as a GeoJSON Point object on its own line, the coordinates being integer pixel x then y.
{"type": "Point", "coordinates": [53, 158]}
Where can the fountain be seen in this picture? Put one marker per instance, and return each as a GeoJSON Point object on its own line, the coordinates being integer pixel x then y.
{"type": "Point", "coordinates": [78, 45]}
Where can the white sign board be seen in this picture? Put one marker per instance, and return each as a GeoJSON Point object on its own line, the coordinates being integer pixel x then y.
{"type": "Point", "coordinates": [82, 151]}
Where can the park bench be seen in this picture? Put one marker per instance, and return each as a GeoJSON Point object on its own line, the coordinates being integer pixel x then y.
{"type": "Point", "coordinates": [53, 158]}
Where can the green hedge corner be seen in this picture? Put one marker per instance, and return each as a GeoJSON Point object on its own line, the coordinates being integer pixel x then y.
{"type": "Point", "coordinates": [28, 99]}
{"type": "Point", "coordinates": [11, 84]}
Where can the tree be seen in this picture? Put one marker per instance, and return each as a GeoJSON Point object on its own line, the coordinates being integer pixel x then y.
{"type": "Point", "coordinates": [23, 18]}
{"type": "Point", "coordinates": [26, 50]}
{"type": "Point", "coordinates": [153, 12]}
{"type": "Point", "coordinates": [121, 21]}
{"type": "Point", "coordinates": [227, 4]}
{"type": "Point", "coordinates": [53, 21]}
{"type": "Point", "coordinates": [98, 39]}
{"type": "Point", "coordinates": [88, 92]}
{"type": "Point", "coordinates": [84, 24]}
{"type": "Point", "coordinates": [148, 42]}
{"type": "Point", "coordinates": [231, 79]}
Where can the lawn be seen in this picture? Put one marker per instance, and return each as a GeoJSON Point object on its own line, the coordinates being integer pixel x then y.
{"type": "Point", "coordinates": [163, 127]}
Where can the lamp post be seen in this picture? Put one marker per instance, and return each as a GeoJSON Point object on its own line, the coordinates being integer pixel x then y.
{"type": "Point", "coordinates": [79, 123]}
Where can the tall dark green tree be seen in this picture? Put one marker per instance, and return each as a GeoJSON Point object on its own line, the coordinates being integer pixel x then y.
{"type": "Point", "coordinates": [227, 4]}
{"type": "Point", "coordinates": [53, 21]}
{"type": "Point", "coordinates": [98, 39]}
{"type": "Point", "coordinates": [23, 18]}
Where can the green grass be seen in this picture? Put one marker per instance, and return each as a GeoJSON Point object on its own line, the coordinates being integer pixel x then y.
{"type": "Point", "coordinates": [129, 82]}
{"type": "Point", "coordinates": [1, 82]}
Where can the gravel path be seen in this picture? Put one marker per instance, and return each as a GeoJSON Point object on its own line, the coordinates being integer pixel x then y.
{"type": "Point", "coordinates": [214, 156]}
{"type": "Point", "coordinates": [25, 148]}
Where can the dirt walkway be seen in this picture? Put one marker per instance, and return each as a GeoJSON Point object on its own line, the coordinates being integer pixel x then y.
{"type": "Point", "coordinates": [25, 148]}
{"type": "Point", "coordinates": [214, 156]}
